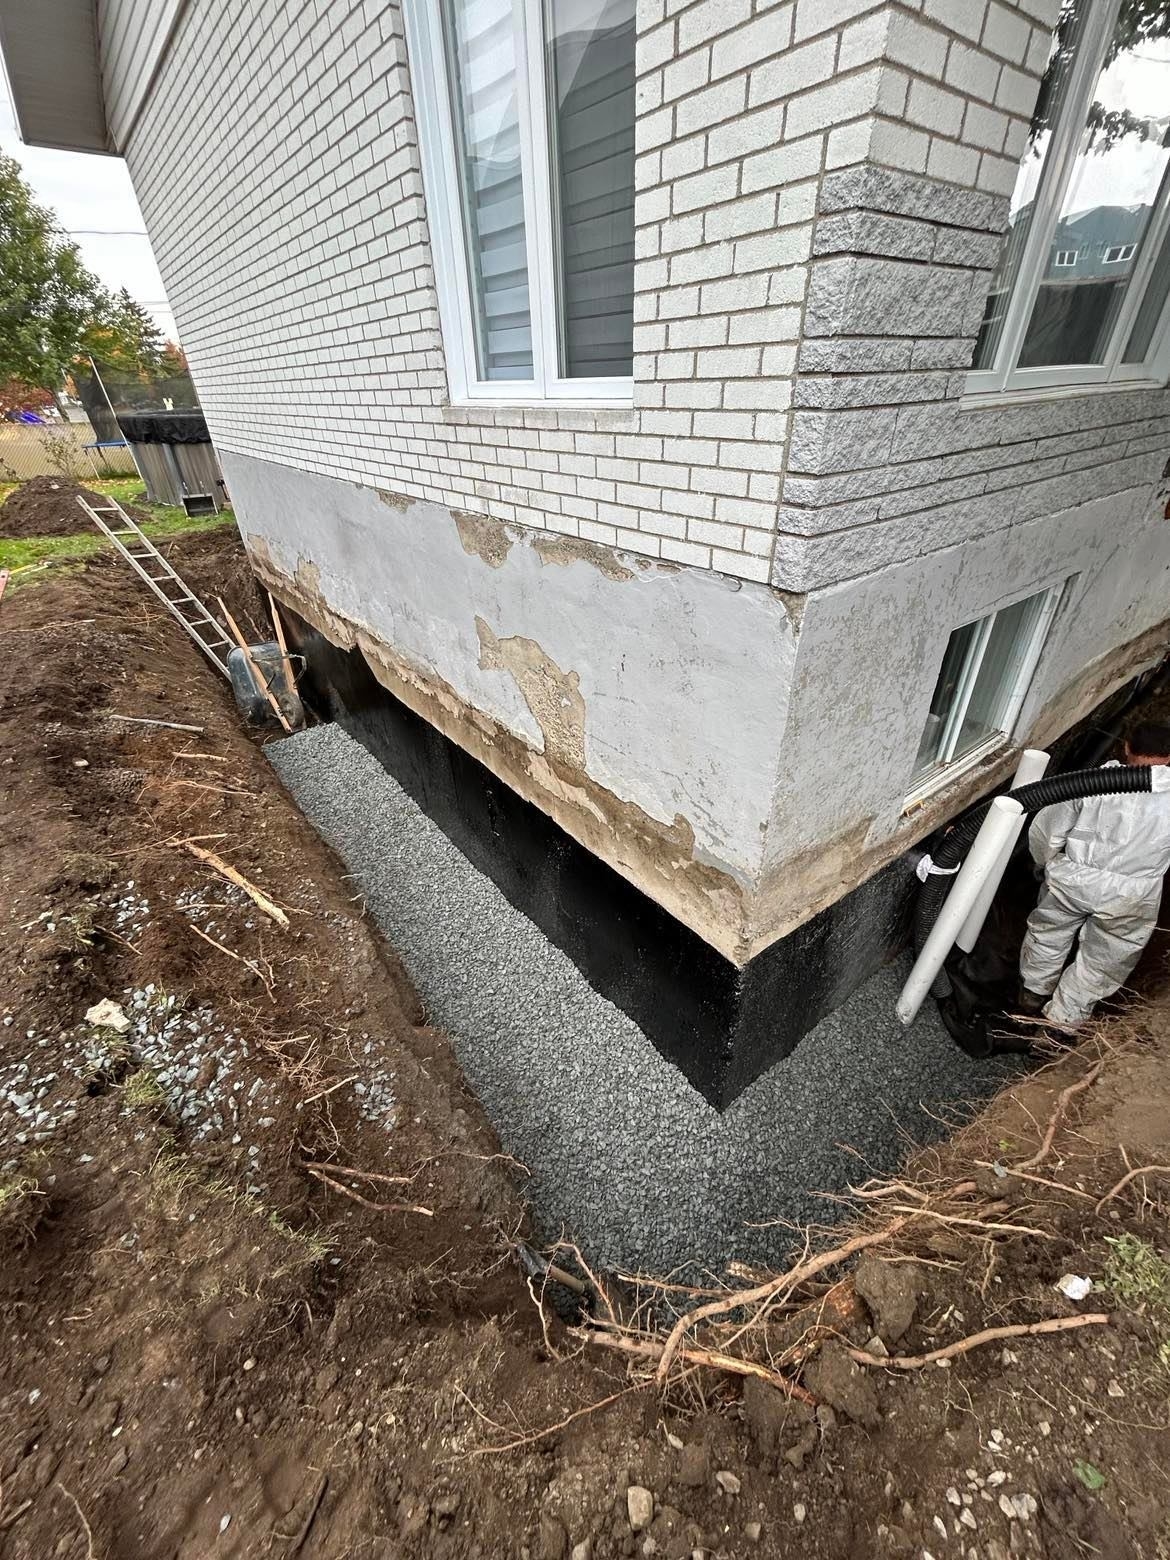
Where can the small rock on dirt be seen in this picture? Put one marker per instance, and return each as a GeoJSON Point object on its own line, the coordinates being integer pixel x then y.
{"type": "Point", "coordinates": [728, 1482]}
{"type": "Point", "coordinates": [108, 1014]}
{"type": "Point", "coordinates": [836, 1380]}
{"type": "Point", "coordinates": [890, 1294]}
{"type": "Point", "coordinates": [640, 1507]}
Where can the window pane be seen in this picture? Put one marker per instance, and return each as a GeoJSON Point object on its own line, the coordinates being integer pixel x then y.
{"type": "Point", "coordinates": [1153, 302]}
{"type": "Point", "coordinates": [954, 662]}
{"type": "Point", "coordinates": [482, 66]}
{"type": "Point", "coordinates": [1118, 172]}
{"type": "Point", "coordinates": [1053, 91]}
{"type": "Point", "coordinates": [999, 672]}
{"type": "Point", "coordinates": [591, 117]}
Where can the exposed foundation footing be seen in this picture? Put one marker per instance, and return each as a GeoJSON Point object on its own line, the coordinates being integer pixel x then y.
{"type": "Point", "coordinates": [722, 1025]}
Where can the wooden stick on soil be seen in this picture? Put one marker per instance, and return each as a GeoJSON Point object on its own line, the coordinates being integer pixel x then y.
{"type": "Point", "coordinates": [284, 656]}
{"type": "Point", "coordinates": [365, 1201]}
{"type": "Point", "coordinates": [226, 870]}
{"type": "Point", "coordinates": [239, 958]}
{"type": "Point", "coordinates": [651, 1349]}
{"type": "Point", "coordinates": [744, 1297]}
{"type": "Point", "coordinates": [170, 725]}
{"type": "Point", "coordinates": [1057, 1117]}
{"type": "Point", "coordinates": [1126, 1179]}
{"type": "Point", "coordinates": [261, 680]}
{"type": "Point", "coordinates": [977, 1340]}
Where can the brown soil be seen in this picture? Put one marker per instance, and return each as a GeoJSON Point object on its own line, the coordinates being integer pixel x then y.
{"type": "Point", "coordinates": [191, 1370]}
{"type": "Point", "coordinates": [47, 506]}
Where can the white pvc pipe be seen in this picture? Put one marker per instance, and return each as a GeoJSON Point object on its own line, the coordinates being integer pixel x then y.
{"type": "Point", "coordinates": [1003, 816]}
{"type": "Point", "coordinates": [1033, 763]}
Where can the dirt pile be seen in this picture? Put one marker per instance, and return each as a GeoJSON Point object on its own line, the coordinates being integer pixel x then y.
{"type": "Point", "coordinates": [47, 506]}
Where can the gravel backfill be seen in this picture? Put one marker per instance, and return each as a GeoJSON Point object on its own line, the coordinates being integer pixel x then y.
{"type": "Point", "coordinates": [625, 1155]}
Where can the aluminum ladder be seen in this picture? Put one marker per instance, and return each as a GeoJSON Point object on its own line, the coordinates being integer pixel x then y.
{"type": "Point", "coordinates": [170, 588]}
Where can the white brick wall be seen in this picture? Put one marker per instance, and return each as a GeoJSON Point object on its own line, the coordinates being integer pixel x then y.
{"type": "Point", "coordinates": [287, 212]}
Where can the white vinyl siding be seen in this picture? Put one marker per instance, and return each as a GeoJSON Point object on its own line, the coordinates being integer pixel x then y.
{"type": "Point", "coordinates": [133, 35]}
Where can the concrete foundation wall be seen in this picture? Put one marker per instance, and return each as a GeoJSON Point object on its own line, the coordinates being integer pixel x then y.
{"type": "Point", "coordinates": [639, 704]}
{"type": "Point", "coordinates": [869, 653]}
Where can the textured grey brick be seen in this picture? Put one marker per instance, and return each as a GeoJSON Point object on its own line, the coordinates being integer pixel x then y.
{"type": "Point", "coordinates": [870, 233]}
{"type": "Point", "coordinates": [960, 246]}
{"type": "Point", "coordinates": [868, 297]}
{"type": "Point", "coordinates": [867, 187]}
{"type": "Point", "coordinates": [827, 518]}
{"type": "Point", "coordinates": [840, 441]}
{"type": "Point", "coordinates": [937, 353]}
{"type": "Point", "coordinates": [864, 355]}
{"type": "Point", "coordinates": [841, 390]}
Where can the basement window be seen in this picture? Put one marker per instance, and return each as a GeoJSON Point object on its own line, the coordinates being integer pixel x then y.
{"type": "Point", "coordinates": [986, 670]}
{"type": "Point", "coordinates": [526, 127]}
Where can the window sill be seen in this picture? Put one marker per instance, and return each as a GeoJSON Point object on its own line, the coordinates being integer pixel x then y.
{"type": "Point", "coordinates": [994, 750]}
{"type": "Point", "coordinates": [989, 400]}
{"type": "Point", "coordinates": [599, 416]}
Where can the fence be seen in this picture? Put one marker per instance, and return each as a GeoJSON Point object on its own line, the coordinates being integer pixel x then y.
{"type": "Point", "coordinates": [58, 450]}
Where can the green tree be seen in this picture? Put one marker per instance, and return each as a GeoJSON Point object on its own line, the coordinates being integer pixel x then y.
{"type": "Point", "coordinates": [47, 296]}
{"type": "Point", "coordinates": [123, 338]}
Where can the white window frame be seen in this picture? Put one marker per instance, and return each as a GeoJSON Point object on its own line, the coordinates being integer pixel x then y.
{"type": "Point", "coordinates": [441, 183]}
{"type": "Point", "coordinates": [1117, 254]}
{"type": "Point", "coordinates": [1064, 258]}
{"type": "Point", "coordinates": [1004, 376]}
{"type": "Point", "coordinates": [947, 768]}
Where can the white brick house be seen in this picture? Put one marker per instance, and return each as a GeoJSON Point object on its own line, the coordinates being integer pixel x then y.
{"type": "Point", "coordinates": [665, 405]}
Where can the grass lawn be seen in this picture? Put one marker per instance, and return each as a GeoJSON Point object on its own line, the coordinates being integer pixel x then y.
{"type": "Point", "coordinates": [18, 553]}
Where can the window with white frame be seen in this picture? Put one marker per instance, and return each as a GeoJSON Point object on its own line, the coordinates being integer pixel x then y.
{"type": "Point", "coordinates": [526, 123]}
{"type": "Point", "coordinates": [986, 670]}
{"type": "Point", "coordinates": [1095, 172]}
{"type": "Point", "coordinates": [1065, 257]}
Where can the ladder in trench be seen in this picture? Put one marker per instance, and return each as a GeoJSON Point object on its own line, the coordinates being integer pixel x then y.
{"type": "Point", "coordinates": [170, 588]}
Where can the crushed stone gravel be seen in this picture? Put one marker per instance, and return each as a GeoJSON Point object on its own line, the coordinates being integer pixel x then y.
{"type": "Point", "coordinates": [625, 1155]}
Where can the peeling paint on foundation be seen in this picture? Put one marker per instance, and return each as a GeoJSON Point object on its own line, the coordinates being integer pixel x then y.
{"type": "Point", "coordinates": [553, 696]}
{"type": "Point", "coordinates": [739, 754]}
{"type": "Point", "coordinates": [482, 537]}
{"type": "Point", "coordinates": [563, 550]}
{"type": "Point", "coordinates": [399, 501]}
{"type": "Point", "coordinates": [658, 857]}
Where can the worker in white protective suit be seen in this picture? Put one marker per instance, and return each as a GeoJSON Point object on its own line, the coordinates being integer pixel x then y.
{"type": "Point", "coordinates": [1104, 858]}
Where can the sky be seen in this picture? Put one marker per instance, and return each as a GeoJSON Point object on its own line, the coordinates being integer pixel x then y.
{"type": "Point", "coordinates": [95, 203]}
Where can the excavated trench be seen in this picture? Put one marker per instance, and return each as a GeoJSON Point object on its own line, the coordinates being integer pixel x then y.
{"type": "Point", "coordinates": [625, 1155]}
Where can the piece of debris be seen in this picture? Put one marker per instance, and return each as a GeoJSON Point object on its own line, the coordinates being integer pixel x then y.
{"type": "Point", "coordinates": [639, 1507]}
{"type": "Point", "coordinates": [727, 1482]}
{"type": "Point", "coordinates": [1072, 1287]}
{"type": "Point", "coordinates": [799, 1512]}
{"type": "Point", "coordinates": [108, 1014]}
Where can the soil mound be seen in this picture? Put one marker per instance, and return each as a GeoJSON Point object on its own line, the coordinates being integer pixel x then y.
{"type": "Point", "coordinates": [47, 506]}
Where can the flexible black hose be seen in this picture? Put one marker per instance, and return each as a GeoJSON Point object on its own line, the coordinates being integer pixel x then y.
{"type": "Point", "coordinates": [1069, 787]}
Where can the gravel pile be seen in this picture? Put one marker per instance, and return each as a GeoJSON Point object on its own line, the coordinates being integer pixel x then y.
{"type": "Point", "coordinates": [624, 1154]}
{"type": "Point", "coordinates": [206, 1072]}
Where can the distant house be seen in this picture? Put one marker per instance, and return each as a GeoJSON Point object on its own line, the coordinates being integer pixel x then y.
{"type": "Point", "coordinates": [681, 474]}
